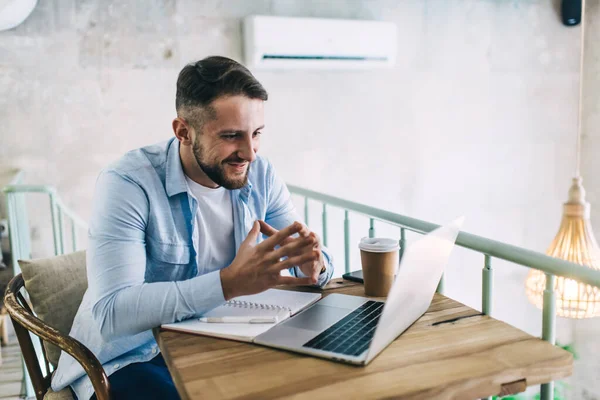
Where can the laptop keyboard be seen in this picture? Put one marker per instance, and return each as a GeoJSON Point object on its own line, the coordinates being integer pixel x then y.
{"type": "Point", "coordinates": [352, 334]}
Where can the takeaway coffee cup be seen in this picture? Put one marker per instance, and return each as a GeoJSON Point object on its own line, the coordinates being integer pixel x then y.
{"type": "Point", "coordinates": [379, 258]}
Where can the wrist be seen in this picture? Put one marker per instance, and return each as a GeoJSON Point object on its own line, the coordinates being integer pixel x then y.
{"type": "Point", "coordinates": [227, 284]}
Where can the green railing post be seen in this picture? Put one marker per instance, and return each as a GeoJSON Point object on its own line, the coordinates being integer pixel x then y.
{"type": "Point", "coordinates": [54, 215]}
{"type": "Point", "coordinates": [22, 219]}
{"type": "Point", "coordinates": [487, 286]}
{"type": "Point", "coordinates": [61, 233]}
{"type": "Point", "coordinates": [347, 241]}
{"type": "Point", "coordinates": [371, 228]}
{"type": "Point", "coordinates": [548, 329]}
{"type": "Point", "coordinates": [13, 232]}
{"type": "Point", "coordinates": [74, 235]}
{"type": "Point", "coordinates": [306, 211]}
{"type": "Point", "coordinates": [325, 224]}
{"type": "Point", "coordinates": [402, 242]}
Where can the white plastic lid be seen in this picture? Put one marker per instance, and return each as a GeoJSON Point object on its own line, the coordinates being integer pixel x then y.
{"type": "Point", "coordinates": [378, 245]}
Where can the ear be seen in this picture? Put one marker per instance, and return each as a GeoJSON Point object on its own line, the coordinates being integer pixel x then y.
{"type": "Point", "coordinates": [183, 131]}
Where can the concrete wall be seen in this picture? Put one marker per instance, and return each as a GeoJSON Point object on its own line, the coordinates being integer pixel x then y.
{"type": "Point", "coordinates": [478, 117]}
{"type": "Point", "coordinates": [585, 332]}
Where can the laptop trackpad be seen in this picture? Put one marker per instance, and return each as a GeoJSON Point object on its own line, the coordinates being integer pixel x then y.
{"type": "Point", "coordinates": [317, 318]}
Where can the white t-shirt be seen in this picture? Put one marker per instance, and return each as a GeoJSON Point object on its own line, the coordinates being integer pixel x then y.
{"type": "Point", "coordinates": [214, 234]}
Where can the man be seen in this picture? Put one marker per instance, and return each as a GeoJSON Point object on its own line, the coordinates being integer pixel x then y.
{"type": "Point", "coordinates": [175, 232]}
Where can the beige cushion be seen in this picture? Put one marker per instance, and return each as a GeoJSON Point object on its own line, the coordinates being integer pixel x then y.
{"type": "Point", "coordinates": [64, 394]}
{"type": "Point", "coordinates": [56, 286]}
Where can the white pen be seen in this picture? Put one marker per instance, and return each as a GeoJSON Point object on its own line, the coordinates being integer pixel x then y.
{"type": "Point", "coordinates": [239, 320]}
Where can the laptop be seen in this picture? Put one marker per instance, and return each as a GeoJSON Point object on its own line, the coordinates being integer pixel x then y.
{"type": "Point", "coordinates": [355, 329]}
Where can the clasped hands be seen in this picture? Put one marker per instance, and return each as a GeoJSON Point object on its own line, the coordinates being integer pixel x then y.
{"type": "Point", "coordinates": [257, 266]}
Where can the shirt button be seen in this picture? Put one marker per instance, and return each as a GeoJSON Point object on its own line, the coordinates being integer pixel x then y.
{"type": "Point", "coordinates": [116, 366]}
{"type": "Point", "coordinates": [154, 350]}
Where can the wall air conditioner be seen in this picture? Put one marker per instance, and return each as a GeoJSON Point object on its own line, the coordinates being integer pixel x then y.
{"type": "Point", "coordinates": [315, 43]}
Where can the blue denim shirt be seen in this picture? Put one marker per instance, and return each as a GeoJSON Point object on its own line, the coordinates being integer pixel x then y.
{"type": "Point", "coordinates": [141, 260]}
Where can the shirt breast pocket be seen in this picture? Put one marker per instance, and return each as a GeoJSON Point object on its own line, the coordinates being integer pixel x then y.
{"type": "Point", "coordinates": [168, 261]}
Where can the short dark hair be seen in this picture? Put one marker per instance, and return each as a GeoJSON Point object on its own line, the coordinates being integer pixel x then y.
{"type": "Point", "coordinates": [200, 83]}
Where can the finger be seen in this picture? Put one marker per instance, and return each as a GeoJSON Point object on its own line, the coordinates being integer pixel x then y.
{"type": "Point", "coordinates": [280, 236]}
{"type": "Point", "coordinates": [253, 234]}
{"type": "Point", "coordinates": [295, 247]}
{"type": "Point", "coordinates": [293, 261]}
{"type": "Point", "coordinates": [317, 240]}
{"type": "Point", "coordinates": [291, 281]}
{"type": "Point", "coordinates": [311, 269]}
{"type": "Point", "coordinates": [269, 231]}
{"type": "Point", "coordinates": [304, 231]}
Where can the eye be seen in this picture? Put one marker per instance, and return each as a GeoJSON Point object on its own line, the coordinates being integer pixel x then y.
{"type": "Point", "coordinates": [229, 137]}
{"type": "Point", "coordinates": [257, 133]}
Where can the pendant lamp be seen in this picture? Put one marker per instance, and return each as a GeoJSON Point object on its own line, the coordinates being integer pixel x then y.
{"type": "Point", "coordinates": [574, 241]}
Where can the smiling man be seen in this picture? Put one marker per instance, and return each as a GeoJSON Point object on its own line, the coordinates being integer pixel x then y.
{"type": "Point", "coordinates": [176, 231]}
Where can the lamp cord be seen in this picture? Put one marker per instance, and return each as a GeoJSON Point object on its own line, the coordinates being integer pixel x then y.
{"type": "Point", "coordinates": [579, 120]}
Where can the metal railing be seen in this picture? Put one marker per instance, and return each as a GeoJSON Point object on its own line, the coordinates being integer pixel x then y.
{"type": "Point", "coordinates": [489, 248]}
{"type": "Point", "coordinates": [63, 220]}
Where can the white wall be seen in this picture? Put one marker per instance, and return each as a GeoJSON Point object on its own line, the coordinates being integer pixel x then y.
{"type": "Point", "coordinates": [477, 118]}
{"type": "Point", "coordinates": [585, 332]}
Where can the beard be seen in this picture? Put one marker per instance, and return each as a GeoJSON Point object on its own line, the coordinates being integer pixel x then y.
{"type": "Point", "coordinates": [216, 171]}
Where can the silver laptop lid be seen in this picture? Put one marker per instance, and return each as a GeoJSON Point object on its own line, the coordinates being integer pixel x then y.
{"type": "Point", "coordinates": [420, 271]}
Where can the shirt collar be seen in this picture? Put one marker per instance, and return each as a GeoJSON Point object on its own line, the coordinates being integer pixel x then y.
{"type": "Point", "coordinates": [174, 178]}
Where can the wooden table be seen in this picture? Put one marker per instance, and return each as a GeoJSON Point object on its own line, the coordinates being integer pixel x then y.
{"type": "Point", "coordinates": [451, 352]}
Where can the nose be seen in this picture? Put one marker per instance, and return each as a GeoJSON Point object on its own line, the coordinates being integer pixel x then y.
{"type": "Point", "coordinates": [248, 150]}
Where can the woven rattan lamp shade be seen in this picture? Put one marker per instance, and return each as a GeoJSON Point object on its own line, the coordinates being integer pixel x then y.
{"type": "Point", "coordinates": [574, 242]}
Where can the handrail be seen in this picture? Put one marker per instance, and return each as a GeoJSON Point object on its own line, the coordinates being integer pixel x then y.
{"type": "Point", "coordinates": [18, 188]}
{"type": "Point", "coordinates": [18, 221]}
{"type": "Point", "coordinates": [490, 247]}
{"type": "Point", "coordinates": [26, 188]}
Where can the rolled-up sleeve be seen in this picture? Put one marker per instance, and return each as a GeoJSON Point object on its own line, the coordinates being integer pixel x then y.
{"type": "Point", "coordinates": [123, 303]}
{"type": "Point", "coordinates": [281, 213]}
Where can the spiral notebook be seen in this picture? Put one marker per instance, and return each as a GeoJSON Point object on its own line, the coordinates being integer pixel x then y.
{"type": "Point", "coordinates": [270, 303]}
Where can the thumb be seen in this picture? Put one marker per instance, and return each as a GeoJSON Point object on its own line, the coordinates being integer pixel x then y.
{"type": "Point", "coordinates": [253, 234]}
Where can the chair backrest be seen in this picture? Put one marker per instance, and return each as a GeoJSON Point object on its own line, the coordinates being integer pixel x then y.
{"type": "Point", "coordinates": [56, 286]}
{"type": "Point", "coordinates": [25, 321]}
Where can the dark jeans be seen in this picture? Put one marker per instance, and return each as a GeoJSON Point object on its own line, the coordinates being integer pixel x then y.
{"type": "Point", "coordinates": [148, 380]}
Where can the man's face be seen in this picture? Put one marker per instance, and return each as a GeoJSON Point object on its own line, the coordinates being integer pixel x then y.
{"type": "Point", "coordinates": [228, 143]}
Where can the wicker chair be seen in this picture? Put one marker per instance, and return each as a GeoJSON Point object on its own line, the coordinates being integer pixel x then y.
{"type": "Point", "coordinates": [24, 322]}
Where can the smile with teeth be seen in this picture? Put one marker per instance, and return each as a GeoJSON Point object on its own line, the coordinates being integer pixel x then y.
{"type": "Point", "coordinates": [238, 166]}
